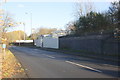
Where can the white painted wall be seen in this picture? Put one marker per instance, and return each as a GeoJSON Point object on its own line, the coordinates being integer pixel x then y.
{"type": "Point", "coordinates": [37, 42]}
{"type": "Point", "coordinates": [50, 42]}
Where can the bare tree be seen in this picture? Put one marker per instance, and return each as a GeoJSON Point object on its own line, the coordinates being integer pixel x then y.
{"type": "Point", "coordinates": [6, 22]}
{"type": "Point", "coordinates": [18, 35]}
{"type": "Point", "coordinates": [42, 31]}
{"type": "Point", "coordinates": [70, 27]}
{"type": "Point", "coordinates": [83, 8]}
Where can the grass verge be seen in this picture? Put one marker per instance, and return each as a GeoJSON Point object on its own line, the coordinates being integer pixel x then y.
{"type": "Point", "coordinates": [11, 68]}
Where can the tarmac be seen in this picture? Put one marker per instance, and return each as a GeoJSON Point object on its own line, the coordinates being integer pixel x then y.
{"type": "Point", "coordinates": [0, 65]}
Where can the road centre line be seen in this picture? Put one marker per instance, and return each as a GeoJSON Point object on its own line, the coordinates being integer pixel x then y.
{"type": "Point", "coordinates": [49, 56]}
{"type": "Point", "coordinates": [83, 66]}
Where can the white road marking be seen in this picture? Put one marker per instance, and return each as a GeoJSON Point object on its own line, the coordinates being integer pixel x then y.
{"type": "Point", "coordinates": [49, 56]}
{"type": "Point", "coordinates": [108, 65]}
{"type": "Point", "coordinates": [35, 49]}
{"type": "Point", "coordinates": [83, 66]}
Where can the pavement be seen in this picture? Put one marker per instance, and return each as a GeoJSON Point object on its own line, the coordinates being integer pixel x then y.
{"type": "Point", "coordinates": [47, 64]}
{"type": "Point", "coordinates": [0, 65]}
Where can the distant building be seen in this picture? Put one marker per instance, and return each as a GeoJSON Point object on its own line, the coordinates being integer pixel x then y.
{"type": "Point", "coordinates": [47, 41]}
{"type": "Point", "coordinates": [50, 40]}
{"type": "Point", "coordinates": [59, 33]}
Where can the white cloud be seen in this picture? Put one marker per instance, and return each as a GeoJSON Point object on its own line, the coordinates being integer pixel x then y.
{"type": "Point", "coordinates": [20, 5]}
{"type": "Point", "coordinates": [61, 0]}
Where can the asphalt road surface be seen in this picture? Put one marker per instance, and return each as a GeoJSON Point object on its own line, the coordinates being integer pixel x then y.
{"type": "Point", "coordinates": [46, 64]}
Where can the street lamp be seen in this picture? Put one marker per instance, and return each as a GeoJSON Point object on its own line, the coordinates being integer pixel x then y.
{"type": "Point", "coordinates": [24, 28]}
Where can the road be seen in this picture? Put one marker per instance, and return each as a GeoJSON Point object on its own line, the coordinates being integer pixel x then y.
{"type": "Point", "coordinates": [46, 64]}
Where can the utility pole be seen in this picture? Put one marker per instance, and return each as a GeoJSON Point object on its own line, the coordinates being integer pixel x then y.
{"type": "Point", "coordinates": [19, 38]}
{"type": "Point", "coordinates": [24, 31]}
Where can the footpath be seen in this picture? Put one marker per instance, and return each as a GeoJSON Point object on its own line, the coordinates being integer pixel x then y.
{"type": "Point", "coordinates": [10, 66]}
{"type": "Point", "coordinates": [0, 65]}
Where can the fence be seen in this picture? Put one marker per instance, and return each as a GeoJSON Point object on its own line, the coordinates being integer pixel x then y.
{"type": "Point", "coordinates": [101, 44]}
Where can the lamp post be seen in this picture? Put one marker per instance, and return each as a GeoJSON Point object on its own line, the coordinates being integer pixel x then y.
{"type": "Point", "coordinates": [18, 23]}
{"type": "Point", "coordinates": [21, 23]}
{"type": "Point", "coordinates": [24, 30]}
